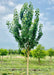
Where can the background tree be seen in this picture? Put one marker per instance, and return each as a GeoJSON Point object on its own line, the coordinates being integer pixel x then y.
{"type": "Point", "coordinates": [19, 51]}
{"type": "Point", "coordinates": [50, 53]}
{"type": "Point", "coordinates": [15, 51]}
{"type": "Point", "coordinates": [27, 33]}
{"type": "Point", "coordinates": [11, 51]}
{"type": "Point", "coordinates": [3, 52]}
{"type": "Point", "coordinates": [39, 52]}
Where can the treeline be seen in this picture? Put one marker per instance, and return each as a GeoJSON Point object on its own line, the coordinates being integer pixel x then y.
{"type": "Point", "coordinates": [4, 52]}
{"type": "Point", "coordinates": [38, 53]}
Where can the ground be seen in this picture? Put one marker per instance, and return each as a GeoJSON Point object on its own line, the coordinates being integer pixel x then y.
{"type": "Point", "coordinates": [16, 65]}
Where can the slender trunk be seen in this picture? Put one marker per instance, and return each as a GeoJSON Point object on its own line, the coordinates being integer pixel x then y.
{"type": "Point", "coordinates": [1, 59]}
{"type": "Point", "coordinates": [50, 59]}
{"type": "Point", "coordinates": [28, 63]}
{"type": "Point", "coordinates": [39, 60]}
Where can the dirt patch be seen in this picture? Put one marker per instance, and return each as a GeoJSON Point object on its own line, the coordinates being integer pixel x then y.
{"type": "Point", "coordinates": [14, 69]}
{"type": "Point", "coordinates": [36, 70]}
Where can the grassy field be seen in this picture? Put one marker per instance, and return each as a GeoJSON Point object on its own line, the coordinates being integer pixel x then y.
{"type": "Point", "coordinates": [16, 65]}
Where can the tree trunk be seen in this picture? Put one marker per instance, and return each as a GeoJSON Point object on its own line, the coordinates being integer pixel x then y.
{"type": "Point", "coordinates": [39, 60]}
{"type": "Point", "coordinates": [1, 59]}
{"type": "Point", "coordinates": [28, 63]}
{"type": "Point", "coordinates": [50, 59]}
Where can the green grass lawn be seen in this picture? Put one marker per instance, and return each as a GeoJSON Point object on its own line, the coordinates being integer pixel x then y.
{"type": "Point", "coordinates": [16, 65]}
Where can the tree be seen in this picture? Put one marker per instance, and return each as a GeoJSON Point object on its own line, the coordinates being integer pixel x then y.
{"type": "Point", "coordinates": [50, 53]}
{"type": "Point", "coordinates": [39, 52]}
{"type": "Point", "coordinates": [10, 51]}
{"type": "Point", "coordinates": [25, 32]}
{"type": "Point", "coordinates": [3, 52]}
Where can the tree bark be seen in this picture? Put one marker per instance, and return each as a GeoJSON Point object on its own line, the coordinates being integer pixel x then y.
{"type": "Point", "coordinates": [28, 62]}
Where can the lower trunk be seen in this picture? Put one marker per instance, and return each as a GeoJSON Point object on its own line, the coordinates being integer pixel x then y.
{"type": "Point", "coordinates": [1, 59]}
{"type": "Point", "coordinates": [28, 63]}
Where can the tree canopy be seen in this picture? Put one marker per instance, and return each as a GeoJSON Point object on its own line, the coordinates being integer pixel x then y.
{"type": "Point", "coordinates": [27, 33]}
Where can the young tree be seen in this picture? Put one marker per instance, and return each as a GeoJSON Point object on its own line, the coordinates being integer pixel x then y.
{"type": "Point", "coordinates": [15, 51]}
{"type": "Point", "coordinates": [25, 32]}
{"type": "Point", "coordinates": [39, 52]}
{"type": "Point", "coordinates": [3, 52]}
{"type": "Point", "coordinates": [10, 51]}
{"type": "Point", "coordinates": [50, 53]}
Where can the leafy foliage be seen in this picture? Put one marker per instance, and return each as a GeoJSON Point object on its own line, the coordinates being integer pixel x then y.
{"type": "Point", "coordinates": [3, 52]}
{"type": "Point", "coordinates": [23, 52]}
{"type": "Point", "coordinates": [39, 52]}
{"type": "Point", "coordinates": [19, 51]}
{"type": "Point", "coordinates": [31, 53]}
{"type": "Point", "coordinates": [50, 52]}
{"type": "Point", "coordinates": [11, 51]}
{"type": "Point", "coordinates": [25, 32]}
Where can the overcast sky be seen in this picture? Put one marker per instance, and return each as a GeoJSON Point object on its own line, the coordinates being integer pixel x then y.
{"type": "Point", "coordinates": [46, 18]}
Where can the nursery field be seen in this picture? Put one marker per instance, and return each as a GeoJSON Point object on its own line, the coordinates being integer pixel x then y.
{"type": "Point", "coordinates": [16, 65]}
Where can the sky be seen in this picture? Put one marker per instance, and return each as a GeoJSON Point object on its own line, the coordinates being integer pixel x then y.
{"type": "Point", "coordinates": [46, 8]}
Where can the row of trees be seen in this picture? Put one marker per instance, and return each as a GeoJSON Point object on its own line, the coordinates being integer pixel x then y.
{"type": "Point", "coordinates": [39, 52]}
{"type": "Point", "coordinates": [4, 52]}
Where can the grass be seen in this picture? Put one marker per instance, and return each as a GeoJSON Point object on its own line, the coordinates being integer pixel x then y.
{"type": "Point", "coordinates": [16, 65]}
